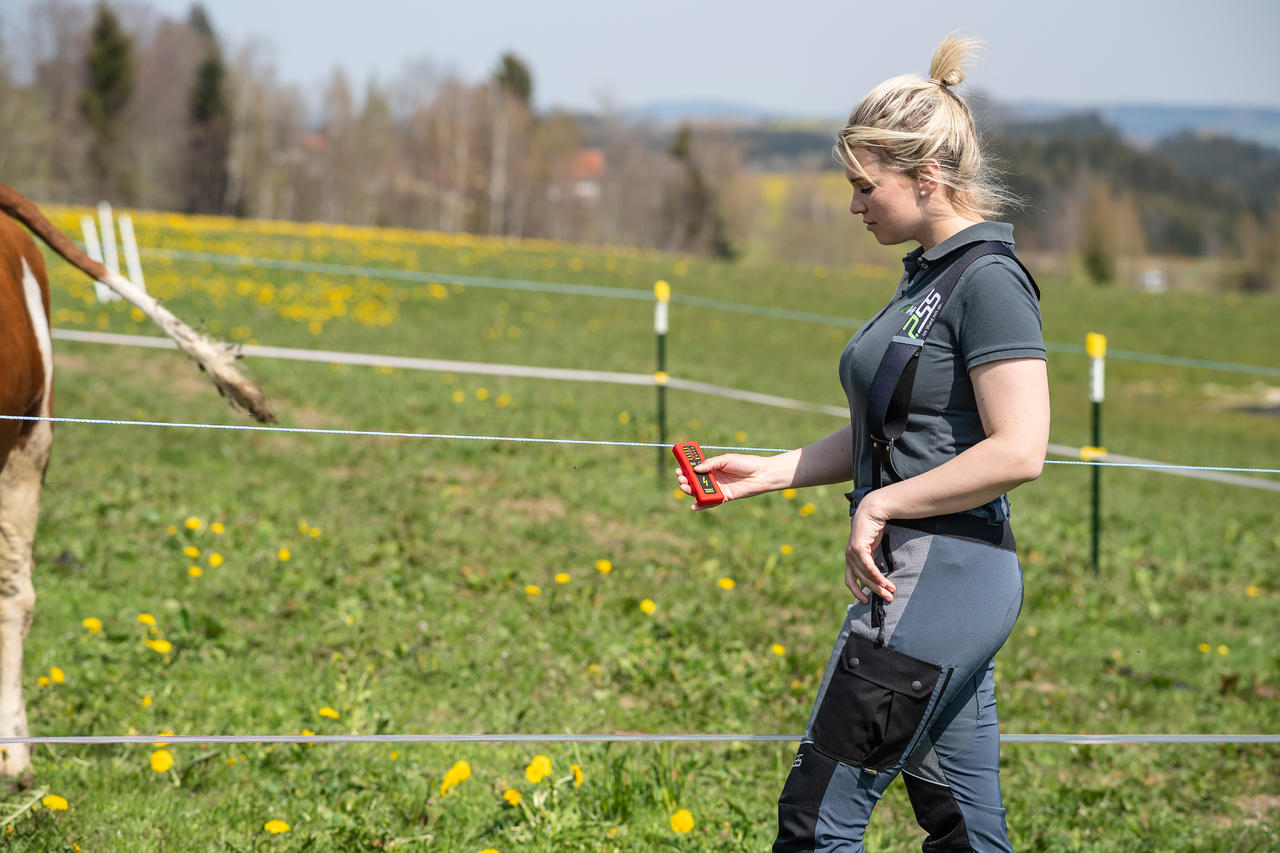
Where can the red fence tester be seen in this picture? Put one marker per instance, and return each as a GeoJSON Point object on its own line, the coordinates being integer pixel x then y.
{"type": "Point", "coordinates": [705, 490]}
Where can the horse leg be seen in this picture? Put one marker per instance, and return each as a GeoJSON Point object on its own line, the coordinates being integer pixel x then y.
{"type": "Point", "coordinates": [20, 484]}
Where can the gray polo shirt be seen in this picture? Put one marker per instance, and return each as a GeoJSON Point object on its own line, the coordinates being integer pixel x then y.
{"type": "Point", "coordinates": [992, 314]}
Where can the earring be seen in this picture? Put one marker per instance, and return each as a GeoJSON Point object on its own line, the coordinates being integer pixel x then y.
{"type": "Point", "coordinates": [922, 192]}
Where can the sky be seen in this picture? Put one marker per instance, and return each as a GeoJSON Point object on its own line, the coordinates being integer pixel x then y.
{"type": "Point", "coordinates": [793, 57]}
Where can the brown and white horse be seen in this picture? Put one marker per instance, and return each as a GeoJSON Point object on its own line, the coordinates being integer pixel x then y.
{"type": "Point", "coordinates": [26, 389]}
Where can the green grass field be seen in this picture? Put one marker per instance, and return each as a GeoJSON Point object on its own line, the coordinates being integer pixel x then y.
{"type": "Point", "coordinates": [387, 579]}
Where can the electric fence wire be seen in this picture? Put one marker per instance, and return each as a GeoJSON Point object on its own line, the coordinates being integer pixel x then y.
{"type": "Point", "coordinates": [627, 737]}
{"type": "Point", "coordinates": [645, 295]}
{"type": "Point", "coordinates": [537, 440]}
{"type": "Point", "coordinates": [551, 287]}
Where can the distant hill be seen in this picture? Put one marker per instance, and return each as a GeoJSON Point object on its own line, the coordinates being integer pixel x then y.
{"type": "Point", "coordinates": [699, 111]}
{"type": "Point", "coordinates": [1142, 124]}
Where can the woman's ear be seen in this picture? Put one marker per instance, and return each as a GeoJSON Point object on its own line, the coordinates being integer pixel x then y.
{"type": "Point", "coordinates": [928, 173]}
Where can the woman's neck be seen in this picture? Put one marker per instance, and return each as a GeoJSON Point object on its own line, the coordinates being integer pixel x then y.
{"type": "Point", "coordinates": [939, 230]}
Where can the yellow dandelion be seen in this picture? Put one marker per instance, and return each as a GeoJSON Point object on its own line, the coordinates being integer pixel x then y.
{"type": "Point", "coordinates": [303, 527]}
{"type": "Point", "coordinates": [283, 555]}
{"type": "Point", "coordinates": [160, 646]}
{"type": "Point", "coordinates": [482, 393]}
{"type": "Point", "coordinates": [1251, 591]}
{"type": "Point", "coordinates": [789, 494]}
{"type": "Point", "coordinates": [594, 668]}
{"type": "Point", "coordinates": [43, 681]}
{"type": "Point", "coordinates": [93, 624]}
{"type": "Point", "coordinates": [562, 577]}
{"type": "Point", "coordinates": [682, 821]}
{"type": "Point", "coordinates": [147, 619]}
{"type": "Point", "coordinates": [57, 675]}
{"type": "Point", "coordinates": [326, 711]}
{"type": "Point", "coordinates": [457, 396]}
{"type": "Point", "coordinates": [739, 436]}
{"type": "Point", "coordinates": [194, 571]}
{"type": "Point", "coordinates": [785, 550]}
{"type": "Point", "coordinates": [502, 401]}
{"type": "Point", "coordinates": [1222, 650]}
{"type": "Point", "coordinates": [778, 649]}
{"type": "Point", "coordinates": [533, 589]}
{"type": "Point", "coordinates": [512, 796]}
{"type": "Point", "coordinates": [808, 509]}
{"type": "Point", "coordinates": [161, 760]}
{"type": "Point", "coordinates": [624, 417]}
{"type": "Point", "coordinates": [218, 527]}
{"type": "Point", "coordinates": [678, 494]}
{"type": "Point", "coordinates": [648, 606]}
{"type": "Point", "coordinates": [215, 560]}
{"type": "Point", "coordinates": [489, 850]}
{"type": "Point", "coordinates": [539, 768]}
{"type": "Point", "coordinates": [146, 701]}
{"type": "Point", "coordinates": [172, 530]}
{"type": "Point", "coordinates": [313, 532]}
{"type": "Point", "coordinates": [726, 583]}
{"type": "Point", "coordinates": [191, 551]}
{"type": "Point", "coordinates": [604, 566]}
{"type": "Point", "coordinates": [1204, 648]}
{"type": "Point", "coordinates": [577, 775]}
{"type": "Point", "coordinates": [192, 523]}
{"type": "Point", "coordinates": [54, 803]}
{"type": "Point", "coordinates": [457, 774]}
{"type": "Point", "coordinates": [1031, 630]}
{"type": "Point", "coordinates": [395, 755]}
{"type": "Point", "coordinates": [275, 827]}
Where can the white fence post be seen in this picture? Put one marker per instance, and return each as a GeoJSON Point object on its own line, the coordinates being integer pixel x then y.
{"type": "Point", "coordinates": [132, 262]}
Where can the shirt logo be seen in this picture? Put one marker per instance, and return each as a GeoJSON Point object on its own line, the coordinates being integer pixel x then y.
{"type": "Point", "coordinates": [922, 314]}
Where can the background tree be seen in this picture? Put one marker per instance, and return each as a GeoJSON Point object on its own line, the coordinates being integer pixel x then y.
{"type": "Point", "coordinates": [514, 77]}
{"type": "Point", "coordinates": [209, 144]}
{"type": "Point", "coordinates": [510, 111]}
{"type": "Point", "coordinates": [108, 85]}
{"type": "Point", "coordinates": [696, 223]}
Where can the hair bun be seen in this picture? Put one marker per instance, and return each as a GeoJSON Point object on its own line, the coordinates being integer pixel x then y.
{"type": "Point", "coordinates": [950, 58]}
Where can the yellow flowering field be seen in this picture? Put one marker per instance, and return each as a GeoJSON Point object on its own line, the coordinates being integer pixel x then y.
{"type": "Point", "coordinates": [201, 582]}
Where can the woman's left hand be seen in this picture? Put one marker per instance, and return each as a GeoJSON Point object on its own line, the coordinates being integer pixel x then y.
{"type": "Point", "coordinates": [860, 570]}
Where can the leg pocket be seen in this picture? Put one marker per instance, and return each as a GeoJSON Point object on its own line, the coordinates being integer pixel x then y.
{"type": "Point", "coordinates": [874, 704]}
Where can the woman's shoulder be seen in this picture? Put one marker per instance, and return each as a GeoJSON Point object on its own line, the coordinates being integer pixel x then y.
{"type": "Point", "coordinates": [995, 276]}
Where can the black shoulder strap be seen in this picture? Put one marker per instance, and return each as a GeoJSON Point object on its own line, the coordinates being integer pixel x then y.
{"type": "Point", "coordinates": [889, 399]}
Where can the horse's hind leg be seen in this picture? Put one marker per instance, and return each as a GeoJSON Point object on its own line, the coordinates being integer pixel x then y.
{"type": "Point", "coordinates": [20, 483]}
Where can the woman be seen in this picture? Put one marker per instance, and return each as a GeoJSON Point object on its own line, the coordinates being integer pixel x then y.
{"type": "Point", "coordinates": [909, 687]}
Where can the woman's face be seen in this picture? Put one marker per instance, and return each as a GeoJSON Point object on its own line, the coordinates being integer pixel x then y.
{"type": "Point", "coordinates": [889, 203]}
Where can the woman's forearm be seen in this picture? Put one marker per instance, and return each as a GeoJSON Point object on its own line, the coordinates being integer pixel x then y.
{"type": "Point", "coordinates": [828, 460]}
{"type": "Point", "coordinates": [980, 474]}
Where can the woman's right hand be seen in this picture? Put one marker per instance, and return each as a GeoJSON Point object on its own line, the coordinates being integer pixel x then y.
{"type": "Point", "coordinates": [739, 476]}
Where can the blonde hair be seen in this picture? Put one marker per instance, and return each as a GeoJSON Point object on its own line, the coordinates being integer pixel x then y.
{"type": "Point", "coordinates": [909, 123]}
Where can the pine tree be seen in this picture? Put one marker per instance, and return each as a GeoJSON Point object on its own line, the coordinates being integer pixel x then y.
{"type": "Point", "coordinates": [513, 75]}
{"type": "Point", "coordinates": [694, 211]}
{"type": "Point", "coordinates": [109, 83]}
{"type": "Point", "coordinates": [210, 128]}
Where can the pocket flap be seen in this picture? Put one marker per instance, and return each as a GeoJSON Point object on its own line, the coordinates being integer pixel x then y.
{"type": "Point", "coordinates": [890, 669]}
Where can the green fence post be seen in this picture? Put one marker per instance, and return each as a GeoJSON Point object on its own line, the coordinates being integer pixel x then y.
{"type": "Point", "coordinates": [1096, 346]}
{"type": "Point", "coordinates": [662, 298]}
